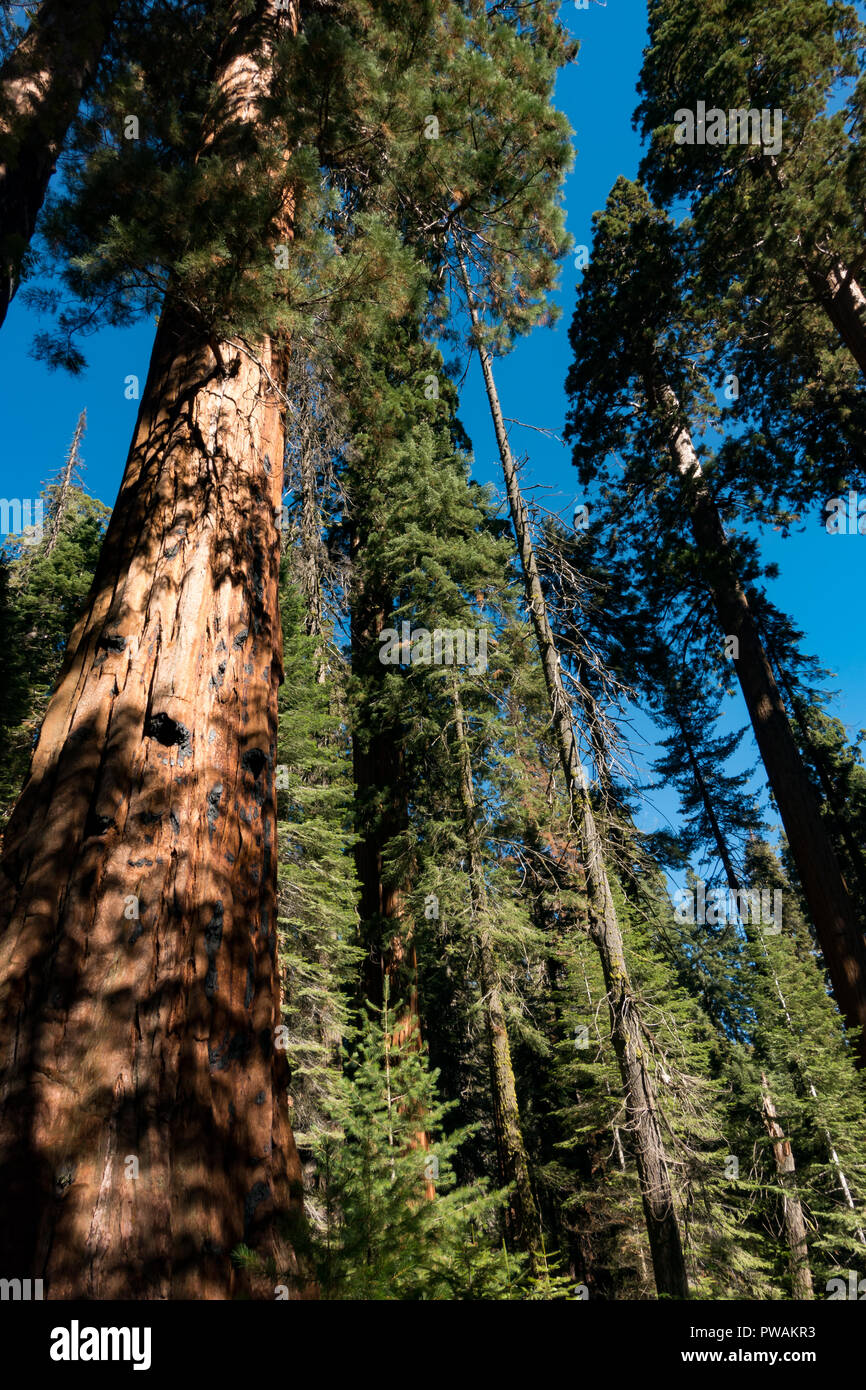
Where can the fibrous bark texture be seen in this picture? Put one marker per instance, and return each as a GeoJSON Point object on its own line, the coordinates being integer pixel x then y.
{"type": "Point", "coordinates": [41, 86]}
{"type": "Point", "coordinates": [138, 917]}
{"type": "Point", "coordinates": [144, 1128]}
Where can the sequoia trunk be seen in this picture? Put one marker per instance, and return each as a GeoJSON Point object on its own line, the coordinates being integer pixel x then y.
{"type": "Point", "coordinates": [144, 1125]}
{"type": "Point", "coordinates": [844, 303]}
{"type": "Point", "coordinates": [41, 86]}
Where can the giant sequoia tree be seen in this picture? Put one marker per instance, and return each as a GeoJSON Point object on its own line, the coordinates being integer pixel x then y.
{"type": "Point", "coordinates": [145, 1124]}
{"type": "Point", "coordinates": [797, 198]}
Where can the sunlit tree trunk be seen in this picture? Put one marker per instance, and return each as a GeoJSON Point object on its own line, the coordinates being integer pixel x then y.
{"type": "Point", "coordinates": [843, 301]}
{"type": "Point", "coordinates": [41, 86]}
{"type": "Point", "coordinates": [144, 1127]}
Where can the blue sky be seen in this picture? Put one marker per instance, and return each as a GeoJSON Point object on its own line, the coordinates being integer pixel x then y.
{"type": "Point", "coordinates": [822, 577]}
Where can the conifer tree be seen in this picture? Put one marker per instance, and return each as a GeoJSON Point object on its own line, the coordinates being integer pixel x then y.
{"type": "Point", "coordinates": [633, 342]}
{"type": "Point", "coordinates": [44, 587]}
{"type": "Point", "coordinates": [509, 1137]}
{"type": "Point", "coordinates": [384, 1238]}
{"type": "Point", "coordinates": [319, 951]}
{"type": "Point", "coordinates": [798, 1041]}
{"type": "Point", "coordinates": [637, 1083]}
{"type": "Point", "coordinates": [715, 804]}
{"type": "Point", "coordinates": [794, 189]}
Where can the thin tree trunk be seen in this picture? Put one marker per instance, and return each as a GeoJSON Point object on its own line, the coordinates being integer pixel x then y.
{"type": "Point", "coordinates": [834, 1157]}
{"type": "Point", "coordinates": [311, 548]}
{"type": "Point", "coordinates": [59, 508]}
{"type": "Point", "coordinates": [41, 86]}
{"type": "Point", "coordinates": [829, 791]}
{"type": "Point", "coordinates": [844, 303]}
{"type": "Point", "coordinates": [832, 911]}
{"type": "Point", "coordinates": [144, 1128]}
{"type": "Point", "coordinates": [627, 1036]}
{"type": "Point", "coordinates": [735, 887]}
{"type": "Point", "coordinates": [514, 1164]}
{"type": "Point", "coordinates": [795, 1226]}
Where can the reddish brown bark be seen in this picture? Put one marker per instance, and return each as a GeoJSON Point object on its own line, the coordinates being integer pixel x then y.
{"type": "Point", "coordinates": [41, 86]}
{"type": "Point", "coordinates": [152, 791]}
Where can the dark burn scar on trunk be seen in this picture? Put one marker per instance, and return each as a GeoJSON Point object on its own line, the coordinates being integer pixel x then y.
{"type": "Point", "coordinates": [258, 1193]}
{"type": "Point", "coordinates": [254, 761]}
{"type": "Point", "coordinates": [97, 825]}
{"type": "Point", "coordinates": [215, 682]}
{"type": "Point", "coordinates": [230, 1050]}
{"type": "Point", "coordinates": [170, 733]}
{"type": "Point", "coordinates": [213, 935]}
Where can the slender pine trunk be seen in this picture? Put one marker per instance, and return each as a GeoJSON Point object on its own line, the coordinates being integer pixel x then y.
{"type": "Point", "coordinates": [144, 1128]}
{"type": "Point", "coordinates": [58, 509]}
{"type": "Point", "coordinates": [627, 1035]}
{"type": "Point", "coordinates": [833, 284]}
{"type": "Point", "coordinates": [830, 906]}
{"type": "Point", "coordinates": [829, 788]}
{"type": "Point", "coordinates": [41, 86]}
{"type": "Point", "coordinates": [514, 1165]}
{"type": "Point", "coordinates": [795, 1226]}
{"type": "Point", "coordinates": [844, 303]}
